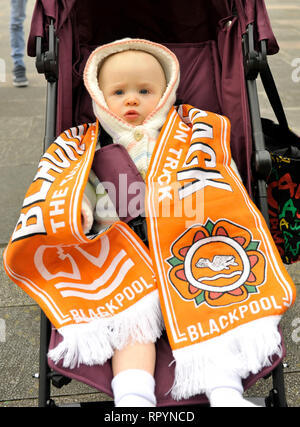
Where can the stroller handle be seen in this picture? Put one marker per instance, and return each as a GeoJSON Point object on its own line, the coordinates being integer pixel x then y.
{"type": "Point", "coordinates": [47, 64]}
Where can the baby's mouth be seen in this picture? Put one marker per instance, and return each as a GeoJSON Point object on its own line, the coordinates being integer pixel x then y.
{"type": "Point", "coordinates": [131, 115]}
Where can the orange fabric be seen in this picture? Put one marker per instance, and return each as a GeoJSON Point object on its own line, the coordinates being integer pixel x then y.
{"type": "Point", "coordinates": [73, 278]}
{"type": "Point", "coordinates": [214, 258]}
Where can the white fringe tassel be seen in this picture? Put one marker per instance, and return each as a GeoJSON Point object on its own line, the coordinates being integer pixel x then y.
{"type": "Point", "coordinates": [243, 350]}
{"type": "Point", "coordinates": [94, 343]}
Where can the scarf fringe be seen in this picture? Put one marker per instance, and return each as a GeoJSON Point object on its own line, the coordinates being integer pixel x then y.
{"type": "Point", "coordinates": [94, 343]}
{"type": "Point", "coordinates": [243, 350]}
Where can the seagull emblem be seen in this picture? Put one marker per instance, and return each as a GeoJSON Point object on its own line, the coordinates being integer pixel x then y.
{"type": "Point", "coordinates": [219, 262]}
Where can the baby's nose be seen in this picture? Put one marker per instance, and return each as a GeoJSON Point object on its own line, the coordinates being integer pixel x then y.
{"type": "Point", "coordinates": [132, 100]}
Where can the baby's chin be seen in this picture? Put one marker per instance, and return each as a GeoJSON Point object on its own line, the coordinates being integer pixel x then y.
{"type": "Point", "coordinates": [134, 121]}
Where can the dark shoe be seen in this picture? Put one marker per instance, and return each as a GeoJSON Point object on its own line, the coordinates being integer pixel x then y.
{"type": "Point", "coordinates": [19, 76]}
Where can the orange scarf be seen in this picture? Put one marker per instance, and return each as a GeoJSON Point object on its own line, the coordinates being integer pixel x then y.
{"type": "Point", "coordinates": [219, 276]}
{"type": "Point", "coordinates": [217, 266]}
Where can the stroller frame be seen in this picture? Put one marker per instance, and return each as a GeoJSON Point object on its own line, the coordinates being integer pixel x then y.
{"type": "Point", "coordinates": [255, 63]}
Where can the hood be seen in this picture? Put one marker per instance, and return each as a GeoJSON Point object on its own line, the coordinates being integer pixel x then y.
{"type": "Point", "coordinates": [111, 122]}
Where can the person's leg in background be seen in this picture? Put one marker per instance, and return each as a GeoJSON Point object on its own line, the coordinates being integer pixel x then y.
{"type": "Point", "coordinates": [17, 17]}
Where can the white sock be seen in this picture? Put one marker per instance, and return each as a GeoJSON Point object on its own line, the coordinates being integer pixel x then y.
{"type": "Point", "coordinates": [134, 387]}
{"type": "Point", "coordinates": [226, 390]}
{"type": "Point", "coordinates": [224, 397]}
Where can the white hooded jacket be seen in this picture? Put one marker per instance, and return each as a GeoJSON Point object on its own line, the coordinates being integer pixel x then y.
{"type": "Point", "coordinates": [138, 140]}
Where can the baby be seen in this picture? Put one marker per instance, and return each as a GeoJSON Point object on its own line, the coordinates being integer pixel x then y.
{"type": "Point", "coordinates": [133, 86]}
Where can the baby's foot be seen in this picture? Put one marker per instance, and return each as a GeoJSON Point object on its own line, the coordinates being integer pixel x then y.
{"type": "Point", "coordinates": [224, 397]}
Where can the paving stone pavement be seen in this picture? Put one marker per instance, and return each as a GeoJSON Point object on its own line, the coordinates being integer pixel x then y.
{"type": "Point", "coordinates": [22, 116]}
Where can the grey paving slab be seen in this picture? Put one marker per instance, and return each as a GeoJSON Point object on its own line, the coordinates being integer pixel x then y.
{"type": "Point", "coordinates": [291, 23]}
{"type": "Point", "coordinates": [13, 186]}
{"type": "Point", "coordinates": [10, 294]}
{"type": "Point", "coordinates": [292, 387]}
{"type": "Point", "coordinates": [19, 353]}
{"type": "Point", "coordinates": [63, 401]}
{"type": "Point", "coordinates": [27, 102]}
{"type": "Point", "coordinates": [285, 20]}
{"type": "Point", "coordinates": [294, 271]}
{"type": "Point", "coordinates": [290, 325]}
{"type": "Point", "coordinates": [19, 357]}
{"type": "Point", "coordinates": [292, 384]}
{"type": "Point", "coordinates": [22, 123]}
{"type": "Point", "coordinates": [289, 90]}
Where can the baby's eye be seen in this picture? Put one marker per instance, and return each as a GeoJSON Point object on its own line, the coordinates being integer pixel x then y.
{"type": "Point", "coordinates": [119, 92]}
{"type": "Point", "coordinates": [144, 91]}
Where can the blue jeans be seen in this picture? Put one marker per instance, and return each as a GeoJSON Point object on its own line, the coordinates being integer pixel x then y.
{"type": "Point", "coordinates": [17, 16]}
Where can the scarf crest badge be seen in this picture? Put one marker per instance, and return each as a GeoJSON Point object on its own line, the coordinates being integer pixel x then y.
{"type": "Point", "coordinates": [235, 270]}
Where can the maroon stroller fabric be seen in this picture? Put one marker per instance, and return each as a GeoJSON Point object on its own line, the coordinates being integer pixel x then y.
{"type": "Point", "coordinates": [206, 36]}
{"type": "Point", "coordinates": [118, 164]}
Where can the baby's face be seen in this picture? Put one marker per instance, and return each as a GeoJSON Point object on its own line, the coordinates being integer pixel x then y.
{"type": "Point", "coordinates": [132, 83]}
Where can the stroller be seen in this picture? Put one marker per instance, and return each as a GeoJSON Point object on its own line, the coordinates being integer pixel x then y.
{"type": "Point", "coordinates": [222, 47]}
